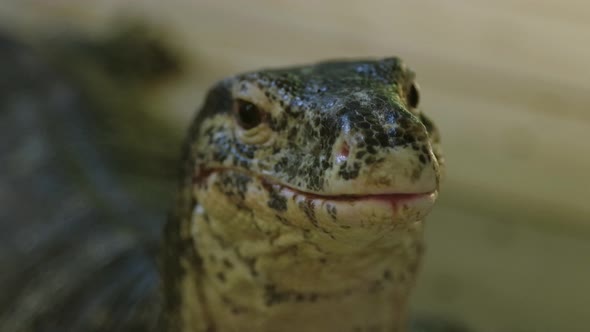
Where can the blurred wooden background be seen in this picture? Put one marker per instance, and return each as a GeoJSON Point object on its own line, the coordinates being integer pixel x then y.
{"type": "Point", "coordinates": [508, 82]}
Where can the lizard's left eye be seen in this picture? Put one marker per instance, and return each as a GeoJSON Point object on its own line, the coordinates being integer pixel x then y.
{"type": "Point", "coordinates": [247, 114]}
{"type": "Point", "coordinates": [413, 96]}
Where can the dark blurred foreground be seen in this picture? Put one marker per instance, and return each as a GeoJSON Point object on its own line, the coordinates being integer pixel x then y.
{"type": "Point", "coordinates": [81, 201]}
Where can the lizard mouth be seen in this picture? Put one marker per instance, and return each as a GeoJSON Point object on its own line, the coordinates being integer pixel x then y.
{"type": "Point", "coordinates": [392, 198]}
{"type": "Point", "coordinates": [396, 207]}
{"type": "Point", "coordinates": [272, 184]}
{"type": "Point", "coordinates": [393, 206]}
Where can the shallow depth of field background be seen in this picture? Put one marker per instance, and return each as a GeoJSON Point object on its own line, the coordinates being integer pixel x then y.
{"type": "Point", "coordinates": [508, 83]}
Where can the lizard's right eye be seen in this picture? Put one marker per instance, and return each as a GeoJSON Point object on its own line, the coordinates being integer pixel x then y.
{"type": "Point", "coordinates": [247, 114]}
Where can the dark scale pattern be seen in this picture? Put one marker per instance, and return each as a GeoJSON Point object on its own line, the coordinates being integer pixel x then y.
{"type": "Point", "coordinates": [277, 201]}
{"type": "Point", "coordinates": [234, 187]}
{"type": "Point", "coordinates": [362, 101]}
{"type": "Point", "coordinates": [308, 208]}
{"type": "Point", "coordinates": [332, 211]}
{"type": "Point", "coordinates": [348, 171]}
{"type": "Point", "coordinates": [274, 296]}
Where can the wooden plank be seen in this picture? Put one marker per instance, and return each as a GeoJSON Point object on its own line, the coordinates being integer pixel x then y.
{"type": "Point", "coordinates": [494, 147]}
{"type": "Point", "coordinates": [501, 276]}
{"type": "Point", "coordinates": [452, 30]}
{"type": "Point", "coordinates": [535, 38]}
{"type": "Point", "coordinates": [573, 12]}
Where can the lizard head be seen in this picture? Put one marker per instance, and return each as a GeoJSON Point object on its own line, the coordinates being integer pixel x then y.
{"type": "Point", "coordinates": [342, 142]}
{"type": "Point", "coordinates": [303, 186]}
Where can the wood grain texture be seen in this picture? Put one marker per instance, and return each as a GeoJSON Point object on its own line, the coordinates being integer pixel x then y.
{"type": "Point", "coordinates": [507, 82]}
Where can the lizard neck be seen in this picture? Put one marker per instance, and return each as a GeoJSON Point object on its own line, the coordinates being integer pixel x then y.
{"type": "Point", "coordinates": [296, 280]}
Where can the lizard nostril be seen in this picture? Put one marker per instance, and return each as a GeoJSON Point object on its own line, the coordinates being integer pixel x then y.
{"type": "Point", "coordinates": [344, 150]}
{"type": "Point", "coordinates": [342, 154]}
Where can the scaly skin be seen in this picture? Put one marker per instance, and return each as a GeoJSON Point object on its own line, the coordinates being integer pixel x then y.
{"type": "Point", "coordinates": [301, 202]}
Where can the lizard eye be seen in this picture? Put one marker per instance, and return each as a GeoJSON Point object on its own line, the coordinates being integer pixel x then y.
{"type": "Point", "coordinates": [413, 96]}
{"type": "Point", "coordinates": [247, 114]}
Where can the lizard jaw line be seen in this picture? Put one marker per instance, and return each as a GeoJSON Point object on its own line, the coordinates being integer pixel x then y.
{"type": "Point", "coordinates": [398, 207]}
{"type": "Point", "coordinates": [393, 197]}
{"type": "Point", "coordinates": [395, 207]}
{"type": "Point", "coordinates": [270, 182]}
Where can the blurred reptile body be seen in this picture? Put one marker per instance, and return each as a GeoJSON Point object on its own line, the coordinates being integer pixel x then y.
{"type": "Point", "coordinates": [300, 207]}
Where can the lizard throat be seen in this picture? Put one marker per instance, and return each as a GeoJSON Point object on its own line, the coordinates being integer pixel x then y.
{"type": "Point", "coordinates": [300, 259]}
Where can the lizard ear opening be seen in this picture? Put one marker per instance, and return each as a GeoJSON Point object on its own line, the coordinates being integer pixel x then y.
{"type": "Point", "coordinates": [247, 114]}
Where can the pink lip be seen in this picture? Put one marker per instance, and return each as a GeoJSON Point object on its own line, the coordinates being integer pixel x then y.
{"type": "Point", "coordinates": [403, 207]}
{"type": "Point", "coordinates": [391, 198]}
{"type": "Point", "coordinates": [419, 204]}
{"type": "Point", "coordinates": [385, 197]}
